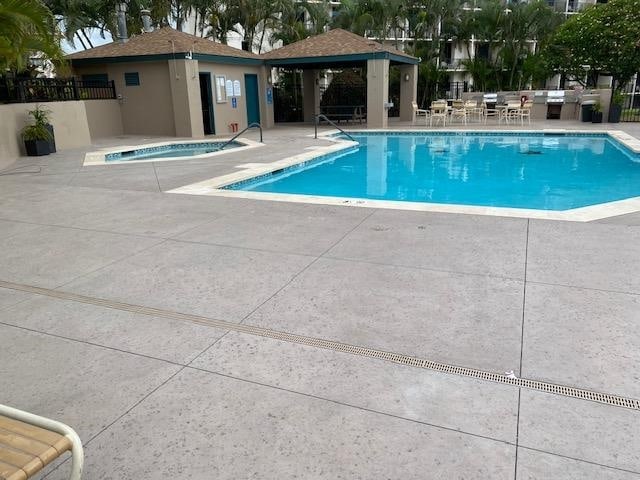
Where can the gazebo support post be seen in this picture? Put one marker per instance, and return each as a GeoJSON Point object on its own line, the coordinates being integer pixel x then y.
{"type": "Point", "coordinates": [408, 91]}
{"type": "Point", "coordinates": [310, 94]}
{"type": "Point", "coordinates": [377, 93]}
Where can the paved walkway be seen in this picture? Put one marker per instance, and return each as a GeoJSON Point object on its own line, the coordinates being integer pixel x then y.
{"type": "Point", "coordinates": [154, 395]}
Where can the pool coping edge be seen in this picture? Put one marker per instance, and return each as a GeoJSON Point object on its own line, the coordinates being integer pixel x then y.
{"type": "Point", "coordinates": [98, 157]}
{"type": "Point", "coordinates": [215, 186]}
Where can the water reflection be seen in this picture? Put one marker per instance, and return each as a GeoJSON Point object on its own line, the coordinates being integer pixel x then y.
{"type": "Point", "coordinates": [547, 172]}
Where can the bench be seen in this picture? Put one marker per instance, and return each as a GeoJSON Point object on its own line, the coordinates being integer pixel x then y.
{"type": "Point", "coordinates": [29, 442]}
{"type": "Point", "coordinates": [348, 113]}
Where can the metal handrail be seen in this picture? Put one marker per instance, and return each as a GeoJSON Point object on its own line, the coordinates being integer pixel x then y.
{"type": "Point", "coordinates": [251, 125]}
{"type": "Point", "coordinates": [317, 118]}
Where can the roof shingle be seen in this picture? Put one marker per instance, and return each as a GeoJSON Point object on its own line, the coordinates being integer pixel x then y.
{"type": "Point", "coordinates": [332, 43]}
{"type": "Point", "coordinates": [165, 40]}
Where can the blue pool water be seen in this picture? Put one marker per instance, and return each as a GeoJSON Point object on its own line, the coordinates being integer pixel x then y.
{"type": "Point", "coordinates": [539, 171]}
{"type": "Point", "coordinates": [168, 151]}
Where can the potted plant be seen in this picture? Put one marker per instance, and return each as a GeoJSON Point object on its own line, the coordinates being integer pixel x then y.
{"type": "Point", "coordinates": [41, 116]}
{"type": "Point", "coordinates": [615, 110]}
{"type": "Point", "coordinates": [597, 113]}
{"type": "Point", "coordinates": [36, 140]}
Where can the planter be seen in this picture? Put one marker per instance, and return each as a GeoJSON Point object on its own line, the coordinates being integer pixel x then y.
{"type": "Point", "coordinates": [36, 148]}
{"type": "Point", "coordinates": [614, 113]}
{"type": "Point", "coordinates": [597, 117]}
{"type": "Point", "coordinates": [52, 142]}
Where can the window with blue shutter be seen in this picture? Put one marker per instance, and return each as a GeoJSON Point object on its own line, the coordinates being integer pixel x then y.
{"type": "Point", "coordinates": [131, 79]}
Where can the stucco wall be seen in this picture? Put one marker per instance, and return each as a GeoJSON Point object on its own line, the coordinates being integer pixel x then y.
{"type": "Point", "coordinates": [167, 102]}
{"type": "Point", "coordinates": [69, 120]}
{"type": "Point", "coordinates": [104, 118]}
{"type": "Point", "coordinates": [74, 124]}
{"type": "Point", "coordinates": [185, 97]}
{"type": "Point", "coordinates": [377, 93]}
{"type": "Point", "coordinates": [224, 112]}
{"type": "Point", "coordinates": [146, 109]}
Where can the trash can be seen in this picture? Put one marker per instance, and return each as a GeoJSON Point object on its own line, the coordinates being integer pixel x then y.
{"type": "Point", "coordinates": [587, 110]}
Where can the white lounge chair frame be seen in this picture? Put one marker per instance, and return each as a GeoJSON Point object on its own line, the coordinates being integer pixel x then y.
{"type": "Point", "coordinates": [77, 453]}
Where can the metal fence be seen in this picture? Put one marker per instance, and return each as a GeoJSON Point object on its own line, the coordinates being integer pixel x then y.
{"type": "Point", "coordinates": [287, 102]}
{"type": "Point", "coordinates": [25, 90]}
{"type": "Point", "coordinates": [631, 104]}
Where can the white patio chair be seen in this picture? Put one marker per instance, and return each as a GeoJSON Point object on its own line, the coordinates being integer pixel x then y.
{"type": "Point", "coordinates": [458, 112]}
{"type": "Point", "coordinates": [525, 112]}
{"type": "Point", "coordinates": [489, 110]}
{"type": "Point", "coordinates": [473, 110]}
{"type": "Point", "coordinates": [511, 112]}
{"type": "Point", "coordinates": [419, 112]}
{"type": "Point", "coordinates": [32, 442]}
{"type": "Point", "coordinates": [438, 112]}
{"type": "Point", "coordinates": [489, 107]}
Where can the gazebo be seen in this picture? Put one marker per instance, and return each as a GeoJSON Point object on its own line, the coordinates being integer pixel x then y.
{"type": "Point", "coordinates": [339, 48]}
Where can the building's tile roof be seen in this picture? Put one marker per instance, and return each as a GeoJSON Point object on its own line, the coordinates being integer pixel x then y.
{"type": "Point", "coordinates": [161, 42]}
{"type": "Point", "coordinates": [332, 43]}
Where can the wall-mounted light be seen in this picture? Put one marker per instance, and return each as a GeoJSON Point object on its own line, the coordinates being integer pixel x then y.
{"type": "Point", "coordinates": [406, 77]}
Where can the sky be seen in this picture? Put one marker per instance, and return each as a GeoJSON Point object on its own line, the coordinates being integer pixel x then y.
{"type": "Point", "coordinates": [94, 36]}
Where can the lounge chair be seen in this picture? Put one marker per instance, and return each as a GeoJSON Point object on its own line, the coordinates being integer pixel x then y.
{"type": "Point", "coordinates": [29, 442]}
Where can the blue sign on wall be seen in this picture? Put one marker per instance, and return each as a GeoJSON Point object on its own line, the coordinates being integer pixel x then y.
{"type": "Point", "coordinates": [269, 95]}
{"type": "Point", "coordinates": [234, 102]}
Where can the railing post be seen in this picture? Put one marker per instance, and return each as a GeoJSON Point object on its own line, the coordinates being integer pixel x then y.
{"type": "Point", "coordinates": [76, 96]}
{"type": "Point", "coordinates": [113, 88]}
{"type": "Point", "coordinates": [315, 124]}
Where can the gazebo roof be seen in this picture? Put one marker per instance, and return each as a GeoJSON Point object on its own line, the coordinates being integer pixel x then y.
{"type": "Point", "coordinates": [163, 43]}
{"type": "Point", "coordinates": [335, 46]}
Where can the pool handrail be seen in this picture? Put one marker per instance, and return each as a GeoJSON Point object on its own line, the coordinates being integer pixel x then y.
{"type": "Point", "coordinates": [251, 125]}
{"type": "Point", "coordinates": [324, 117]}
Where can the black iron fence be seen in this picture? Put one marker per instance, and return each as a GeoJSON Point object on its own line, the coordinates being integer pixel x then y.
{"type": "Point", "coordinates": [455, 90]}
{"type": "Point", "coordinates": [631, 102]}
{"type": "Point", "coordinates": [24, 90]}
{"type": "Point", "coordinates": [287, 102]}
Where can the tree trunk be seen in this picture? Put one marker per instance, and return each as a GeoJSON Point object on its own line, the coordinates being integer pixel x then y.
{"type": "Point", "coordinates": [264, 29]}
{"type": "Point", "coordinates": [81, 41]}
{"type": "Point", "coordinates": [84, 34]}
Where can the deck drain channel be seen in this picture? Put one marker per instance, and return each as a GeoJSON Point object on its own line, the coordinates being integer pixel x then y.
{"type": "Point", "coordinates": [607, 399]}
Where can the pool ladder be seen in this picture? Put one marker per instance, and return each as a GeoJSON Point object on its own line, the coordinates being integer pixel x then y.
{"type": "Point", "coordinates": [251, 125]}
{"type": "Point", "coordinates": [316, 121]}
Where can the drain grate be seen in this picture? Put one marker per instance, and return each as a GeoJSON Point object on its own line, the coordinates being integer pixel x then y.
{"type": "Point", "coordinates": [506, 379]}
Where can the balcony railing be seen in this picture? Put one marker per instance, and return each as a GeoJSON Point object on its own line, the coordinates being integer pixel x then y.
{"type": "Point", "coordinates": [25, 90]}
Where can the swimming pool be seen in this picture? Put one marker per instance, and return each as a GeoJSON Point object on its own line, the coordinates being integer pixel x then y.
{"type": "Point", "coordinates": [172, 150]}
{"type": "Point", "coordinates": [546, 171]}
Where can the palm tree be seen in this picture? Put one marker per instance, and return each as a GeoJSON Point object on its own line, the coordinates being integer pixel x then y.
{"type": "Point", "coordinates": [222, 17]}
{"type": "Point", "coordinates": [523, 23]}
{"type": "Point", "coordinates": [26, 27]}
{"type": "Point", "coordinates": [297, 21]}
{"type": "Point", "coordinates": [355, 16]}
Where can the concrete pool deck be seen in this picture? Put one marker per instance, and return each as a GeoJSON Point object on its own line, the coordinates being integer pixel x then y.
{"type": "Point", "coordinates": [156, 396]}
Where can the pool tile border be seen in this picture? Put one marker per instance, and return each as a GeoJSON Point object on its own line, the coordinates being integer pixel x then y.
{"type": "Point", "coordinates": [218, 186]}
{"type": "Point", "coordinates": [100, 157]}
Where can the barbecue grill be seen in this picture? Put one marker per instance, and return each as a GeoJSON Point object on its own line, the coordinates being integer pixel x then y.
{"type": "Point", "coordinates": [555, 100]}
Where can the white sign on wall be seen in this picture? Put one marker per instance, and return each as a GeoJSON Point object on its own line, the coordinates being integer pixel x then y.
{"type": "Point", "coordinates": [236, 88]}
{"type": "Point", "coordinates": [229, 88]}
